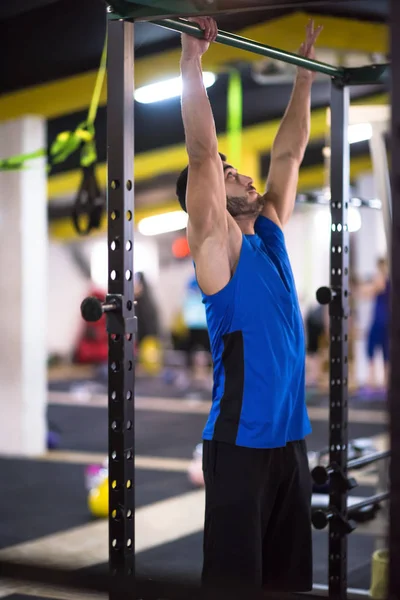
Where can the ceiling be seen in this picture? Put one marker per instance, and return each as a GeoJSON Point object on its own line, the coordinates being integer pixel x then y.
{"type": "Point", "coordinates": [49, 41]}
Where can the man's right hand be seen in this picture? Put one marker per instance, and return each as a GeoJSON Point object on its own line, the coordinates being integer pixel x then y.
{"type": "Point", "coordinates": [193, 47]}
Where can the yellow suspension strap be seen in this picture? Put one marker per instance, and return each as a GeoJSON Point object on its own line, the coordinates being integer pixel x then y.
{"type": "Point", "coordinates": [18, 163]}
{"type": "Point", "coordinates": [90, 200]}
{"type": "Point", "coordinates": [235, 118]}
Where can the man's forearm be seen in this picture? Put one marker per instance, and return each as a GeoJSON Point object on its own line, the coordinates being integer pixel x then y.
{"type": "Point", "coordinates": [198, 120]}
{"type": "Point", "coordinates": [294, 131]}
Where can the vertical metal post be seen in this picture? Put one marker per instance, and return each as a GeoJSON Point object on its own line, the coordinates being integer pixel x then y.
{"type": "Point", "coordinates": [121, 323]}
{"type": "Point", "coordinates": [339, 311]}
{"type": "Point", "coordinates": [394, 385]}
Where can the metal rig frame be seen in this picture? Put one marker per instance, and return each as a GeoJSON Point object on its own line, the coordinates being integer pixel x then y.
{"type": "Point", "coordinates": [119, 305]}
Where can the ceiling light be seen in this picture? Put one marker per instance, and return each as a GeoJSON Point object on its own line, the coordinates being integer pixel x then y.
{"type": "Point", "coordinates": [157, 224]}
{"type": "Point", "coordinates": [169, 88]}
{"type": "Point", "coordinates": [360, 132]}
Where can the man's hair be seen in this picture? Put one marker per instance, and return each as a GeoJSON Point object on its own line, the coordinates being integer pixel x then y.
{"type": "Point", "coordinates": [181, 184]}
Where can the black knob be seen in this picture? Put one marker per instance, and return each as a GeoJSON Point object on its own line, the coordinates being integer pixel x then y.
{"type": "Point", "coordinates": [320, 475]}
{"type": "Point", "coordinates": [91, 309]}
{"type": "Point", "coordinates": [319, 519]}
{"type": "Point", "coordinates": [325, 295]}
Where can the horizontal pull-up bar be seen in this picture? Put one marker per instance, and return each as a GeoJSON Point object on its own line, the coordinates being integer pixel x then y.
{"type": "Point", "coordinates": [353, 76]}
{"type": "Point", "coordinates": [237, 41]}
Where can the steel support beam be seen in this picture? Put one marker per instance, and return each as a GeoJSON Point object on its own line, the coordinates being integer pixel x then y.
{"type": "Point", "coordinates": [339, 312]}
{"type": "Point", "coordinates": [394, 385]}
{"type": "Point", "coordinates": [121, 322]}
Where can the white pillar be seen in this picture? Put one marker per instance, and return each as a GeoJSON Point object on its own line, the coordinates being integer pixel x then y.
{"type": "Point", "coordinates": [23, 292]}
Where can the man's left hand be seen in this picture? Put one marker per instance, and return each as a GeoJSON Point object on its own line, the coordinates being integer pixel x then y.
{"type": "Point", "coordinates": [307, 48]}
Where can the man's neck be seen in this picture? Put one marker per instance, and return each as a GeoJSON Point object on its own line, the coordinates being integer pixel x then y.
{"type": "Point", "coordinates": [246, 225]}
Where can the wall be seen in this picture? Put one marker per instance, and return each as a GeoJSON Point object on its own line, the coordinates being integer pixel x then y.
{"type": "Point", "coordinates": [67, 288]}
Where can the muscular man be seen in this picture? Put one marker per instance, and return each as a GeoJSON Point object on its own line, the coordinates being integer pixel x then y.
{"type": "Point", "coordinates": [258, 487]}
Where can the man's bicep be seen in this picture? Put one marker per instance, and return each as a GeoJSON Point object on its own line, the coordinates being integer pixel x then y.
{"type": "Point", "coordinates": [205, 196]}
{"type": "Point", "coordinates": [281, 191]}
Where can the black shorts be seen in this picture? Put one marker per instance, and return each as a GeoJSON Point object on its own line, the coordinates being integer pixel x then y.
{"type": "Point", "coordinates": [257, 530]}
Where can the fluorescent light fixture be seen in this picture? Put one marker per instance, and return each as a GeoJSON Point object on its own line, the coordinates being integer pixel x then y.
{"type": "Point", "coordinates": [157, 224]}
{"type": "Point", "coordinates": [360, 132]}
{"type": "Point", "coordinates": [169, 88]}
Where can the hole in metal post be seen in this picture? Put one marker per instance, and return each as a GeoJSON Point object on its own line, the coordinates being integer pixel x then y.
{"type": "Point", "coordinates": [114, 245]}
{"type": "Point", "coordinates": [128, 246]}
{"type": "Point", "coordinates": [114, 543]}
{"type": "Point", "coordinates": [114, 184]}
{"type": "Point", "coordinates": [129, 543]}
{"type": "Point", "coordinates": [128, 337]}
{"type": "Point", "coordinates": [114, 484]}
{"type": "Point", "coordinates": [339, 227]}
{"type": "Point", "coordinates": [129, 514]}
{"type": "Point", "coordinates": [333, 227]}
{"type": "Point", "coordinates": [115, 426]}
{"type": "Point", "coordinates": [129, 425]}
{"type": "Point", "coordinates": [129, 305]}
{"type": "Point", "coordinates": [115, 337]}
{"type": "Point", "coordinates": [129, 185]}
{"type": "Point", "coordinates": [114, 215]}
{"type": "Point", "coordinates": [130, 365]}
{"type": "Point", "coordinates": [129, 484]}
{"type": "Point", "coordinates": [114, 366]}
{"type": "Point", "coordinates": [114, 455]}
{"type": "Point", "coordinates": [113, 275]}
{"type": "Point", "coordinates": [129, 395]}
{"type": "Point", "coordinates": [129, 455]}
{"type": "Point", "coordinates": [128, 275]}
{"type": "Point", "coordinates": [129, 215]}
{"type": "Point", "coordinates": [113, 395]}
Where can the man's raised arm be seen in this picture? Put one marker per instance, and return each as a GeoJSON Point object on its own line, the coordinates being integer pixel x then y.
{"type": "Point", "coordinates": [205, 195]}
{"type": "Point", "coordinates": [291, 141]}
{"type": "Point", "coordinates": [205, 199]}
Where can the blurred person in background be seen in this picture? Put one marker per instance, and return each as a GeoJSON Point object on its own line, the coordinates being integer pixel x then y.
{"type": "Point", "coordinates": [377, 290]}
{"type": "Point", "coordinates": [148, 342]}
{"type": "Point", "coordinates": [317, 326]}
{"type": "Point", "coordinates": [146, 311]}
{"type": "Point", "coordinates": [197, 340]}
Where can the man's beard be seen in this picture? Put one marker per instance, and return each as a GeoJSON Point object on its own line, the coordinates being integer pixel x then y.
{"type": "Point", "coordinates": [240, 206]}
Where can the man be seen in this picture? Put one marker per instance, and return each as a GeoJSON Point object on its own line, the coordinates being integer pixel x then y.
{"type": "Point", "coordinates": [258, 487]}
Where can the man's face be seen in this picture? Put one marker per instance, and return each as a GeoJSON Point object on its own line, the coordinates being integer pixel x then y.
{"type": "Point", "coordinates": [242, 198]}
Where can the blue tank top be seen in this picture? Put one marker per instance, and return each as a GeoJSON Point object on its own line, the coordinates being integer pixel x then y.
{"type": "Point", "coordinates": [258, 348]}
{"type": "Point", "coordinates": [381, 309]}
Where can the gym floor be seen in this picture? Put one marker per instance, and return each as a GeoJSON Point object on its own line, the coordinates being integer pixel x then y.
{"type": "Point", "coordinates": [43, 505]}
